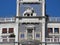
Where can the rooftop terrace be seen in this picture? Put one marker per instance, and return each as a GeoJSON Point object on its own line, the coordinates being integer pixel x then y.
{"type": "Point", "coordinates": [54, 19]}
{"type": "Point", "coordinates": [9, 19]}
{"type": "Point", "coordinates": [12, 19]}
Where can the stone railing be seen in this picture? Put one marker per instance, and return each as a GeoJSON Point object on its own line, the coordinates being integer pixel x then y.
{"type": "Point", "coordinates": [54, 19]}
{"type": "Point", "coordinates": [10, 19]}
{"type": "Point", "coordinates": [52, 39]}
{"type": "Point", "coordinates": [7, 40]}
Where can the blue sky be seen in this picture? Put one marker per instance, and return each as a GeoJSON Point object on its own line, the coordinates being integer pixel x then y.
{"type": "Point", "coordinates": [53, 7]}
{"type": "Point", "coordinates": [8, 8]}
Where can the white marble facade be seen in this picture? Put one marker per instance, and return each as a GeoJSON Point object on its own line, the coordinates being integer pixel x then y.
{"type": "Point", "coordinates": [30, 26]}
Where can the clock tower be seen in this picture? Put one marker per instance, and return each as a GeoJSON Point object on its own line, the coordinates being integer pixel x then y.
{"type": "Point", "coordinates": [32, 21]}
{"type": "Point", "coordinates": [37, 5]}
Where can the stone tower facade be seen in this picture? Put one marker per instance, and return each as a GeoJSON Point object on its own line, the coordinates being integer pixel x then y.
{"type": "Point", "coordinates": [31, 21]}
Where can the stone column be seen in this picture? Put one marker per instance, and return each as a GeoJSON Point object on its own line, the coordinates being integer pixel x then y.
{"type": "Point", "coordinates": [18, 8]}
{"type": "Point", "coordinates": [43, 7]}
{"type": "Point", "coordinates": [33, 34]}
{"type": "Point", "coordinates": [43, 31]}
{"type": "Point", "coordinates": [53, 33]}
{"type": "Point", "coordinates": [26, 35]}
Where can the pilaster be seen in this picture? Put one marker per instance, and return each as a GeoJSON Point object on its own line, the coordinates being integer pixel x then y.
{"type": "Point", "coordinates": [43, 31]}
{"type": "Point", "coordinates": [33, 34]}
{"type": "Point", "coordinates": [17, 13]}
{"type": "Point", "coordinates": [43, 7]}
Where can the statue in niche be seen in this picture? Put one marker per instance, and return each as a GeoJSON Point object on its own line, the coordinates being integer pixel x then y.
{"type": "Point", "coordinates": [29, 12]}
